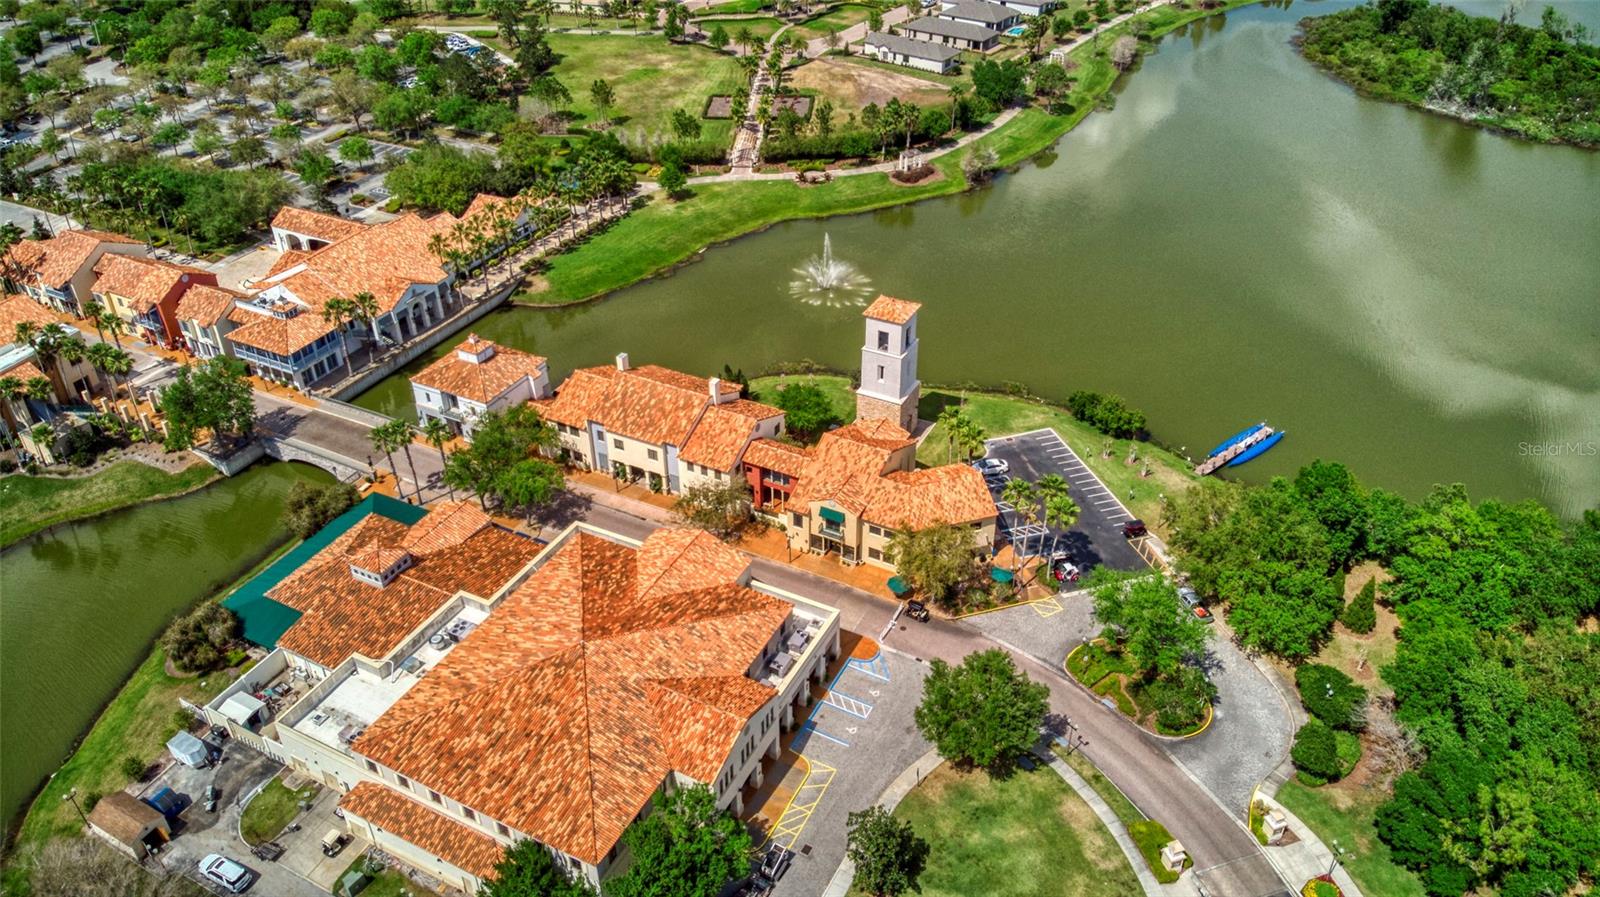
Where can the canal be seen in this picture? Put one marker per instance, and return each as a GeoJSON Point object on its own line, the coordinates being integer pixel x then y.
{"type": "Point", "coordinates": [1241, 238]}
{"type": "Point", "coordinates": [81, 606]}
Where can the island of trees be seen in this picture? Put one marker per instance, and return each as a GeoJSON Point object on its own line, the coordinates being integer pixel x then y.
{"type": "Point", "coordinates": [1540, 83]}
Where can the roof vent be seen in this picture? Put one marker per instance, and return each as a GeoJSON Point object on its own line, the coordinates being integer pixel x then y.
{"type": "Point", "coordinates": [475, 350]}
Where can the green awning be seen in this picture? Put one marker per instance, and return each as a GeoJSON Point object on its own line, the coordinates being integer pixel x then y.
{"type": "Point", "coordinates": [1000, 574]}
{"type": "Point", "coordinates": [898, 586]}
{"type": "Point", "coordinates": [831, 515]}
{"type": "Point", "coordinates": [265, 621]}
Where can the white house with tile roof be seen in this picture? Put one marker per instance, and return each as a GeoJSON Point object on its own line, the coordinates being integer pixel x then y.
{"type": "Point", "coordinates": [478, 377]}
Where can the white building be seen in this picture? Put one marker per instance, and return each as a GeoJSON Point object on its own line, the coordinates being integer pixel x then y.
{"type": "Point", "coordinates": [464, 693]}
{"type": "Point", "coordinates": [475, 379]}
{"type": "Point", "coordinates": [897, 49]}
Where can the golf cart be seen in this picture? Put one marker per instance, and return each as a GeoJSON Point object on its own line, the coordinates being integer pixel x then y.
{"type": "Point", "coordinates": [333, 842]}
{"type": "Point", "coordinates": [918, 611]}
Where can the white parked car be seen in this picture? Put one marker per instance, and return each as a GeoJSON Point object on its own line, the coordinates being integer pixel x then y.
{"type": "Point", "coordinates": [992, 467]}
{"type": "Point", "coordinates": [230, 876]}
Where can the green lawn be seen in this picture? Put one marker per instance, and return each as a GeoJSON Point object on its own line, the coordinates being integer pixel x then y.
{"type": "Point", "coordinates": [838, 390]}
{"type": "Point", "coordinates": [1027, 835]}
{"type": "Point", "coordinates": [837, 19]}
{"type": "Point", "coordinates": [1345, 815]}
{"type": "Point", "coordinates": [1151, 836]}
{"type": "Point", "coordinates": [29, 504]}
{"type": "Point", "coordinates": [650, 77]}
{"type": "Point", "coordinates": [562, 20]}
{"type": "Point", "coordinates": [734, 7]}
{"type": "Point", "coordinates": [275, 807]}
{"type": "Point", "coordinates": [390, 883]}
{"type": "Point", "coordinates": [762, 27]}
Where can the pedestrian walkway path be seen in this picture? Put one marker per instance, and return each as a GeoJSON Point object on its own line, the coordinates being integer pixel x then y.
{"type": "Point", "coordinates": [1307, 857]}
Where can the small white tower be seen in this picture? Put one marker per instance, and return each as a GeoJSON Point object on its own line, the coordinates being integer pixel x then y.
{"type": "Point", "coordinates": [889, 386]}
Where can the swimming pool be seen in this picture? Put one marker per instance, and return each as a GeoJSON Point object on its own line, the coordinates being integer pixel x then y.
{"type": "Point", "coordinates": [1016, 30]}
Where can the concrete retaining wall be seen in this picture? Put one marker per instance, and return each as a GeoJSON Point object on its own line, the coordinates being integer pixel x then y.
{"type": "Point", "coordinates": [285, 449]}
{"type": "Point", "coordinates": [235, 462]}
{"type": "Point", "coordinates": [415, 350]}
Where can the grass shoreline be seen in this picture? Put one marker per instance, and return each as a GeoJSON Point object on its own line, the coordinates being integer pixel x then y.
{"type": "Point", "coordinates": [158, 485]}
{"type": "Point", "coordinates": [664, 235]}
{"type": "Point", "coordinates": [120, 728]}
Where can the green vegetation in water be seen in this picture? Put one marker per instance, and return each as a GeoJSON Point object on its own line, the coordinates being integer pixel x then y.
{"type": "Point", "coordinates": [1025, 834]}
{"type": "Point", "coordinates": [275, 807]}
{"type": "Point", "coordinates": [1540, 83]}
{"type": "Point", "coordinates": [30, 504]}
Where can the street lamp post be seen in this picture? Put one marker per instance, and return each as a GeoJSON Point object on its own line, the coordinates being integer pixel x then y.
{"type": "Point", "coordinates": [1333, 861]}
{"type": "Point", "coordinates": [72, 795]}
{"type": "Point", "coordinates": [1075, 738]}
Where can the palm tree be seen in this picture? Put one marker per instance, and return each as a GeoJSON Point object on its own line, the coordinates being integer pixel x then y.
{"type": "Point", "coordinates": [969, 436]}
{"type": "Point", "coordinates": [110, 360]}
{"type": "Point", "coordinates": [404, 430]}
{"type": "Point", "coordinates": [92, 309]}
{"type": "Point", "coordinates": [113, 324]}
{"type": "Point", "coordinates": [384, 440]}
{"type": "Point", "coordinates": [1060, 511]}
{"type": "Point", "coordinates": [950, 418]}
{"type": "Point", "coordinates": [1024, 501]}
{"type": "Point", "coordinates": [47, 342]}
{"type": "Point", "coordinates": [338, 312]}
{"type": "Point", "coordinates": [437, 433]}
{"type": "Point", "coordinates": [42, 389]}
{"type": "Point", "coordinates": [73, 350]}
{"type": "Point", "coordinates": [12, 389]}
{"type": "Point", "coordinates": [364, 307]}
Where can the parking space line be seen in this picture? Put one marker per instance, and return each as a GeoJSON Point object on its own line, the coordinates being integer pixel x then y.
{"type": "Point", "coordinates": [853, 706]}
{"type": "Point", "coordinates": [877, 667]}
{"type": "Point", "coordinates": [792, 821]}
{"type": "Point", "coordinates": [1046, 607]}
{"type": "Point", "coordinates": [810, 728]}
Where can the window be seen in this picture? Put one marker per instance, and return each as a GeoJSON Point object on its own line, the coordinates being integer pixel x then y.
{"type": "Point", "coordinates": [875, 554]}
{"type": "Point", "coordinates": [616, 443]}
{"type": "Point", "coordinates": [372, 767]}
{"type": "Point", "coordinates": [883, 340]}
{"type": "Point", "coordinates": [651, 454]}
{"type": "Point", "coordinates": [467, 812]}
{"type": "Point", "coordinates": [798, 520]}
{"type": "Point", "coordinates": [875, 529]}
{"type": "Point", "coordinates": [434, 796]}
{"type": "Point", "coordinates": [403, 781]}
{"type": "Point", "coordinates": [880, 373]}
{"type": "Point", "coordinates": [502, 829]}
{"type": "Point", "coordinates": [908, 338]}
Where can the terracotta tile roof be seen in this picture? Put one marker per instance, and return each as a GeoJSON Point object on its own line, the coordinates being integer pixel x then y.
{"type": "Point", "coordinates": [283, 336]}
{"type": "Point", "coordinates": [649, 403]}
{"type": "Point", "coordinates": [319, 225]}
{"type": "Point", "coordinates": [604, 671]}
{"type": "Point", "coordinates": [16, 309]}
{"type": "Point", "coordinates": [206, 304]}
{"type": "Point", "coordinates": [770, 454]}
{"type": "Point", "coordinates": [892, 310]}
{"type": "Point", "coordinates": [719, 438]}
{"type": "Point", "coordinates": [341, 615]}
{"type": "Point", "coordinates": [289, 259]}
{"type": "Point", "coordinates": [143, 282]}
{"type": "Point", "coordinates": [57, 259]}
{"type": "Point", "coordinates": [454, 842]}
{"type": "Point", "coordinates": [124, 817]}
{"type": "Point", "coordinates": [915, 499]}
{"type": "Point", "coordinates": [384, 260]}
{"type": "Point", "coordinates": [23, 370]}
{"type": "Point", "coordinates": [480, 381]}
{"type": "Point", "coordinates": [853, 467]}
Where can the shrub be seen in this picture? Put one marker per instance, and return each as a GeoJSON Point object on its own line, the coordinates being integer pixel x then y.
{"type": "Point", "coordinates": [1360, 615]}
{"type": "Point", "coordinates": [1316, 887]}
{"type": "Point", "coordinates": [90, 800]}
{"type": "Point", "coordinates": [1316, 753]}
{"type": "Point", "coordinates": [182, 719]}
{"type": "Point", "coordinates": [309, 508]}
{"type": "Point", "coordinates": [195, 642]}
{"type": "Point", "coordinates": [1107, 413]}
{"type": "Point", "coordinates": [1180, 700]}
{"type": "Point", "coordinates": [1329, 695]}
{"type": "Point", "coordinates": [7, 465]}
{"type": "Point", "coordinates": [1347, 747]}
{"type": "Point", "coordinates": [133, 767]}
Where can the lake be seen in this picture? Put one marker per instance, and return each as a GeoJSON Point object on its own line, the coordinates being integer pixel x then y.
{"type": "Point", "coordinates": [1241, 238]}
{"type": "Point", "coordinates": [80, 606]}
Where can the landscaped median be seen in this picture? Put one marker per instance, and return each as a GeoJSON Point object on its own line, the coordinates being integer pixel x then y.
{"type": "Point", "coordinates": [1112, 675]}
{"type": "Point", "coordinates": [666, 233]}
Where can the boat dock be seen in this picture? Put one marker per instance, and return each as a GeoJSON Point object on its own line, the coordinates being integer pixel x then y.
{"type": "Point", "coordinates": [1221, 459]}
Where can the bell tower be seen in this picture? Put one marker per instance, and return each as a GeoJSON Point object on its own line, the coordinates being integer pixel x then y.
{"type": "Point", "coordinates": [889, 386]}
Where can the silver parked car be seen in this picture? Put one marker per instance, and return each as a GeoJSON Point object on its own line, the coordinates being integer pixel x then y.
{"type": "Point", "coordinates": [231, 876]}
{"type": "Point", "coordinates": [992, 467]}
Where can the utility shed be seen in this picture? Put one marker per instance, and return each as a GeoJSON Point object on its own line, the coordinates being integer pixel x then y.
{"type": "Point", "coordinates": [128, 824]}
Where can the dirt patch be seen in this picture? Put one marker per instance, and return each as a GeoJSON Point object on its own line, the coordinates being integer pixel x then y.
{"type": "Point", "coordinates": [1358, 576]}
{"type": "Point", "coordinates": [852, 87]}
{"type": "Point", "coordinates": [1101, 852]}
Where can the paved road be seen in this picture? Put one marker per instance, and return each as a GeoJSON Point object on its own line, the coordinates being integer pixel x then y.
{"type": "Point", "coordinates": [1228, 861]}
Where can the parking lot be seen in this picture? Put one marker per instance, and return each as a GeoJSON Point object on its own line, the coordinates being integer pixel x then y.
{"type": "Point", "coordinates": [1096, 539]}
{"type": "Point", "coordinates": [858, 737]}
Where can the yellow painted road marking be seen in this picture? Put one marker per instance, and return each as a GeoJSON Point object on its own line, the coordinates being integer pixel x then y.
{"type": "Point", "coordinates": [802, 804]}
{"type": "Point", "coordinates": [1047, 607]}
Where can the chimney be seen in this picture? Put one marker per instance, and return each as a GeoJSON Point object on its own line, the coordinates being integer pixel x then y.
{"type": "Point", "coordinates": [475, 350]}
{"type": "Point", "coordinates": [622, 361]}
{"type": "Point", "coordinates": [714, 387]}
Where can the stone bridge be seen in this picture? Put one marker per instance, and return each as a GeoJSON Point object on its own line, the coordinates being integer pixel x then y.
{"type": "Point", "coordinates": [336, 437]}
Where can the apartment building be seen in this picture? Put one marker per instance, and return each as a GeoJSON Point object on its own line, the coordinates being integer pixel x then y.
{"type": "Point", "coordinates": [475, 379]}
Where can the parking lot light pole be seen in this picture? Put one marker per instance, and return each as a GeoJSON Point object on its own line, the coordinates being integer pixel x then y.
{"type": "Point", "coordinates": [72, 795]}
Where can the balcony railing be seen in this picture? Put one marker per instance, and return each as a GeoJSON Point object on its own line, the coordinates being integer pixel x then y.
{"type": "Point", "coordinates": [831, 530]}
